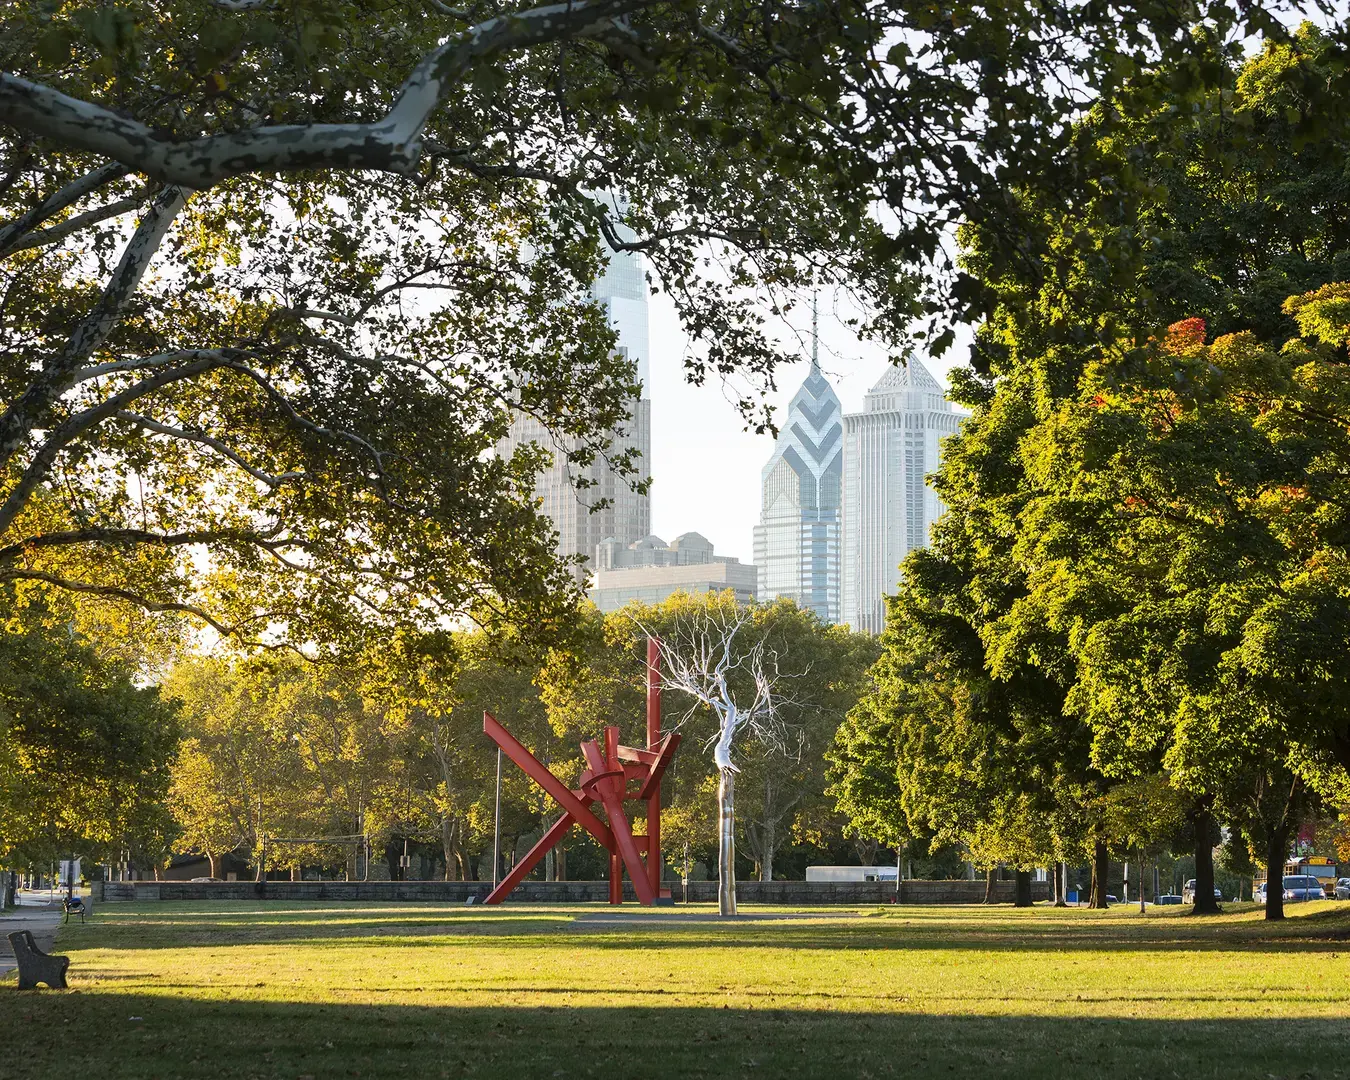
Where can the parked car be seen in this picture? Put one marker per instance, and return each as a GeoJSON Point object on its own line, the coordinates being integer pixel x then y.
{"type": "Point", "coordinates": [1259, 892]}
{"type": "Point", "coordinates": [1188, 892]}
{"type": "Point", "coordinates": [1343, 888]}
{"type": "Point", "coordinates": [1299, 887]}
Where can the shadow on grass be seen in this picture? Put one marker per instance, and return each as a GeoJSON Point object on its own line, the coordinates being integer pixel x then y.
{"type": "Point", "coordinates": [969, 929]}
{"type": "Point", "coordinates": [115, 1035]}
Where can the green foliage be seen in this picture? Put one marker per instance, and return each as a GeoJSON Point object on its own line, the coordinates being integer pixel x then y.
{"type": "Point", "coordinates": [238, 320]}
{"type": "Point", "coordinates": [1137, 582]}
{"type": "Point", "coordinates": [84, 750]}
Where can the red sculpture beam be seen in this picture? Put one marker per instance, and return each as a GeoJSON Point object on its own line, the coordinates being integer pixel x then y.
{"type": "Point", "coordinates": [518, 872]}
{"type": "Point", "coordinates": [609, 772]}
{"type": "Point", "coordinates": [610, 795]}
{"type": "Point", "coordinates": [653, 794]}
{"type": "Point", "coordinates": [536, 771]}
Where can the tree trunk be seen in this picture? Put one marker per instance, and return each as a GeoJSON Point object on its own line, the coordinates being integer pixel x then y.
{"type": "Point", "coordinates": [448, 846]}
{"type": "Point", "coordinates": [766, 859]}
{"type": "Point", "coordinates": [1205, 904]}
{"type": "Point", "coordinates": [295, 873]}
{"type": "Point", "coordinates": [214, 860]}
{"type": "Point", "coordinates": [1060, 872]}
{"type": "Point", "coordinates": [1277, 848]}
{"type": "Point", "coordinates": [726, 843]}
{"type": "Point", "coordinates": [990, 876]}
{"type": "Point", "coordinates": [1101, 866]}
{"type": "Point", "coordinates": [1022, 888]}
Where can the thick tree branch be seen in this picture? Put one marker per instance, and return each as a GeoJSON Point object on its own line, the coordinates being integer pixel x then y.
{"type": "Point", "coordinates": [388, 144]}
{"type": "Point", "coordinates": [23, 414]}
{"type": "Point", "coordinates": [66, 433]}
{"type": "Point", "coordinates": [43, 237]}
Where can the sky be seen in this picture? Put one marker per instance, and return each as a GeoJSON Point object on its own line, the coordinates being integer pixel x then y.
{"type": "Point", "coordinates": [705, 465]}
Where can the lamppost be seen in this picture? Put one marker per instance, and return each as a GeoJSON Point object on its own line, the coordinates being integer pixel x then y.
{"type": "Point", "coordinates": [497, 824]}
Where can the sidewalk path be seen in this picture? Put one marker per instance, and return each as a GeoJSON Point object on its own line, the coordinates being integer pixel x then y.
{"type": "Point", "coordinates": [42, 921]}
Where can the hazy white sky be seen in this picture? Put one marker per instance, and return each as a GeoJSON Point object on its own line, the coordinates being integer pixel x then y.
{"type": "Point", "coordinates": [705, 465]}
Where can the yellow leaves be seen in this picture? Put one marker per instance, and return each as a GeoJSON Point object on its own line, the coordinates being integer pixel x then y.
{"type": "Point", "coordinates": [1323, 314]}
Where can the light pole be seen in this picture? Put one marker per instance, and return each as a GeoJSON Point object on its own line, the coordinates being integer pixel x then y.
{"type": "Point", "coordinates": [497, 824]}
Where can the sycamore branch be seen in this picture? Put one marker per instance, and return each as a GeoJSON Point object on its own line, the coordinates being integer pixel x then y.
{"type": "Point", "coordinates": [66, 433]}
{"type": "Point", "coordinates": [43, 237]}
{"type": "Point", "coordinates": [115, 592]}
{"type": "Point", "coordinates": [390, 144]}
{"type": "Point", "coordinates": [23, 414]}
{"type": "Point", "coordinates": [99, 535]}
{"type": "Point", "coordinates": [201, 437]}
{"type": "Point", "coordinates": [14, 231]}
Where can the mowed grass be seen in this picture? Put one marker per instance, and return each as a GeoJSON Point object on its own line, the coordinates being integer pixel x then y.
{"type": "Point", "coordinates": [258, 989]}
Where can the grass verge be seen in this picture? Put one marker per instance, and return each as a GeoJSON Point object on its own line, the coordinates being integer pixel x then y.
{"type": "Point", "coordinates": [276, 989]}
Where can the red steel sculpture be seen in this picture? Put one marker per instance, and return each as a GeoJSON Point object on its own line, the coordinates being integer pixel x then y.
{"type": "Point", "coordinates": [610, 770]}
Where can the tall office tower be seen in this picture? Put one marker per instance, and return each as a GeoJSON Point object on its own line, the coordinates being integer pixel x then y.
{"type": "Point", "coordinates": [797, 538]}
{"type": "Point", "coordinates": [622, 290]}
{"type": "Point", "coordinates": [888, 508]}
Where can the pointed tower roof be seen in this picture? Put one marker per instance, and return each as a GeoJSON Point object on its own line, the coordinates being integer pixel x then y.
{"type": "Point", "coordinates": [911, 375]}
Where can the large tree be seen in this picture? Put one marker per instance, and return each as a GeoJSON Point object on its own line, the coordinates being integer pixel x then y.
{"type": "Point", "coordinates": [84, 749]}
{"type": "Point", "coordinates": [1068, 560]}
{"type": "Point", "coordinates": [277, 274]}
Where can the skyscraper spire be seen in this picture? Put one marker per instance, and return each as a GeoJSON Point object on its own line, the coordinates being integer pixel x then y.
{"type": "Point", "coordinates": [815, 335]}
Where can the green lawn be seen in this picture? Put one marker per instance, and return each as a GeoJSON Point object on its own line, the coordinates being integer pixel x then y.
{"type": "Point", "coordinates": [275, 989]}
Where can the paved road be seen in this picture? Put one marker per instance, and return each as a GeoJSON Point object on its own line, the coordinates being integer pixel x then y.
{"type": "Point", "coordinates": [667, 915]}
{"type": "Point", "coordinates": [42, 921]}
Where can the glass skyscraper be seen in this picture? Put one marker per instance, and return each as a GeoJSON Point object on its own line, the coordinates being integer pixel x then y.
{"type": "Point", "coordinates": [888, 507]}
{"type": "Point", "coordinates": [797, 538]}
{"type": "Point", "coordinates": [622, 291]}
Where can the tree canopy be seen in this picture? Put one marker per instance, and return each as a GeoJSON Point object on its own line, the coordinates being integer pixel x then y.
{"type": "Point", "coordinates": [1138, 578]}
{"type": "Point", "coordinates": [278, 274]}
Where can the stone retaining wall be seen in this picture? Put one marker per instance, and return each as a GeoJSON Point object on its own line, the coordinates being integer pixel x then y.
{"type": "Point", "coordinates": [562, 892]}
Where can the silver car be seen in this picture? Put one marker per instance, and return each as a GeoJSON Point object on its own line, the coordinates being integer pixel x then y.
{"type": "Point", "coordinates": [1343, 888]}
{"type": "Point", "coordinates": [1302, 887]}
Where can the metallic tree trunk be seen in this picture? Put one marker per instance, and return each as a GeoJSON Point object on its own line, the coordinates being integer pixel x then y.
{"type": "Point", "coordinates": [726, 845]}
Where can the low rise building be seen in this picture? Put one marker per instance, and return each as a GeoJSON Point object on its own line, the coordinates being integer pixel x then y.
{"type": "Point", "coordinates": [650, 570]}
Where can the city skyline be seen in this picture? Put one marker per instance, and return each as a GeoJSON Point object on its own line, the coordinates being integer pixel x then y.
{"type": "Point", "coordinates": [706, 468]}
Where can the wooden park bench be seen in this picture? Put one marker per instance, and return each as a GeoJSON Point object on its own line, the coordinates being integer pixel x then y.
{"type": "Point", "coordinates": [36, 966]}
